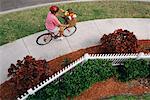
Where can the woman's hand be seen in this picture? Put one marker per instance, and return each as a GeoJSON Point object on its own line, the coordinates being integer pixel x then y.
{"type": "Point", "coordinates": [67, 25]}
{"type": "Point", "coordinates": [62, 10]}
{"type": "Point", "coordinates": [57, 14]}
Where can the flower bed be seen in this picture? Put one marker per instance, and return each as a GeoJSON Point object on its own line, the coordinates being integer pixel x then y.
{"type": "Point", "coordinates": [8, 90]}
{"type": "Point", "coordinates": [112, 87]}
{"type": "Point", "coordinates": [84, 75]}
{"type": "Point", "coordinates": [57, 64]}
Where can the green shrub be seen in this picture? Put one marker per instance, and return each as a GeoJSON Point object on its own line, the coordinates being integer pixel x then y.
{"type": "Point", "coordinates": [84, 75]}
{"type": "Point", "coordinates": [66, 62]}
{"type": "Point", "coordinates": [120, 41]}
{"type": "Point", "coordinates": [76, 81]}
{"type": "Point", "coordinates": [87, 74]}
{"type": "Point", "coordinates": [28, 73]}
{"type": "Point", "coordinates": [130, 97]}
{"type": "Point", "coordinates": [121, 72]}
{"type": "Point", "coordinates": [134, 69]}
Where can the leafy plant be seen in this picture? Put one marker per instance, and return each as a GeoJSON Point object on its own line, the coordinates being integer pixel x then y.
{"type": "Point", "coordinates": [76, 81]}
{"type": "Point", "coordinates": [27, 73]}
{"type": "Point", "coordinates": [121, 72]}
{"type": "Point", "coordinates": [84, 75]}
{"type": "Point", "coordinates": [134, 69]}
{"type": "Point", "coordinates": [130, 97]}
{"type": "Point", "coordinates": [120, 41]}
{"type": "Point", "coordinates": [66, 62]}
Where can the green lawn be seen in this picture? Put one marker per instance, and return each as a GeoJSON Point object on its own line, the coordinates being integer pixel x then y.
{"type": "Point", "coordinates": [19, 24]}
{"type": "Point", "coordinates": [126, 97]}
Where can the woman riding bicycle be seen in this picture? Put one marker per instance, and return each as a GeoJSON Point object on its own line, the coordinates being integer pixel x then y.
{"type": "Point", "coordinates": [55, 28]}
{"type": "Point", "coordinates": [52, 23]}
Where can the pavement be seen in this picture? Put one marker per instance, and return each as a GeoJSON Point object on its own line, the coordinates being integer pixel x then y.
{"type": "Point", "coordinates": [88, 34]}
{"type": "Point", "coordinates": [14, 4]}
{"type": "Point", "coordinates": [7, 6]}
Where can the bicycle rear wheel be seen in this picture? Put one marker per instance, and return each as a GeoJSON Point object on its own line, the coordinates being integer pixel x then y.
{"type": "Point", "coordinates": [68, 31]}
{"type": "Point", "coordinates": [44, 39]}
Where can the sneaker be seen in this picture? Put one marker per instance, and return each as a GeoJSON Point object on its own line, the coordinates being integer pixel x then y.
{"type": "Point", "coordinates": [60, 38]}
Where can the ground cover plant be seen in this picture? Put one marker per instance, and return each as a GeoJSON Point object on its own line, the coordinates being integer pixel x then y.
{"type": "Point", "coordinates": [27, 73]}
{"type": "Point", "coordinates": [84, 75]}
{"type": "Point", "coordinates": [130, 97]}
{"type": "Point", "coordinates": [120, 41]}
{"type": "Point", "coordinates": [133, 69]}
{"type": "Point", "coordinates": [19, 24]}
{"type": "Point", "coordinates": [76, 81]}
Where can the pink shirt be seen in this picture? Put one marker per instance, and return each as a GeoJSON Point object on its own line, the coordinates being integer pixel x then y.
{"type": "Point", "coordinates": [51, 21]}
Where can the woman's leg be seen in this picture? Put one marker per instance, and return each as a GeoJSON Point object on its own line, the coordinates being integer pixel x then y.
{"type": "Point", "coordinates": [61, 31]}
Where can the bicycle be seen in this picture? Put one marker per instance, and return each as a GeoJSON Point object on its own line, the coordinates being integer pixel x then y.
{"type": "Point", "coordinates": [47, 37]}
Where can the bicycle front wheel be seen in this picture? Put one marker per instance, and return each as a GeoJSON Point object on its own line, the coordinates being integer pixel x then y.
{"type": "Point", "coordinates": [44, 39]}
{"type": "Point", "coordinates": [69, 31]}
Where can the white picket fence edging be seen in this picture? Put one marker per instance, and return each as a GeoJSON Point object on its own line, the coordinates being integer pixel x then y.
{"type": "Point", "coordinates": [115, 58]}
{"type": "Point", "coordinates": [50, 79]}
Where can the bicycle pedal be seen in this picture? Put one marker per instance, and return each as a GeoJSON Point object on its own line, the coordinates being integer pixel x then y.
{"type": "Point", "coordinates": [55, 37]}
{"type": "Point", "coordinates": [44, 40]}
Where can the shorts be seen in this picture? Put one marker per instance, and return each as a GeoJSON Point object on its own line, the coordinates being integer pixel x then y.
{"type": "Point", "coordinates": [55, 30]}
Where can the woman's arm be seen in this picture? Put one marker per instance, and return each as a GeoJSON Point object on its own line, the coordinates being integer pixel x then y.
{"type": "Point", "coordinates": [63, 25]}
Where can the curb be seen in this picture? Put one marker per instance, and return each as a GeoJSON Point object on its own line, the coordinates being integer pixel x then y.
{"type": "Point", "coordinates": [45, 4]}
{"type": "Point", "coordinates": [61, 2]}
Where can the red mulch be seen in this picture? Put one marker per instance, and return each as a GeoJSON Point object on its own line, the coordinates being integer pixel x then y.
{"type": "Point", "coordinates": [98, 90]}
{"type": "Point", "coordinates": [109, 88]}
{"type": "Point", "coordinates": [144, 45]}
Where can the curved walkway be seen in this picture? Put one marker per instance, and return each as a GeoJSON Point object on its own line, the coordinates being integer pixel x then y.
{"type": "Point", "coordinates": [88, 34]}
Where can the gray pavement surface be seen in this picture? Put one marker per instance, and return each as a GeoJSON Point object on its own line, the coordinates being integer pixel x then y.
{"type": "Point", "coordinates": [7, 6]}
{"type": "Point", "coordinates": [14, 4]}
{"type": "Point", "coordinates": [88, 34]}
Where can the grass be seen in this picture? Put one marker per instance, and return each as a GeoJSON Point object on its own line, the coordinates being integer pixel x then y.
{"type": "Point", "coordinates": [20, 24]}
{"type": "Point", "coordinates": [126, 97]}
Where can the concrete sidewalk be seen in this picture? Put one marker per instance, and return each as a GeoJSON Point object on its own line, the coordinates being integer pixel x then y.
{"type": "Point", "coordinates": [88, 34]}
